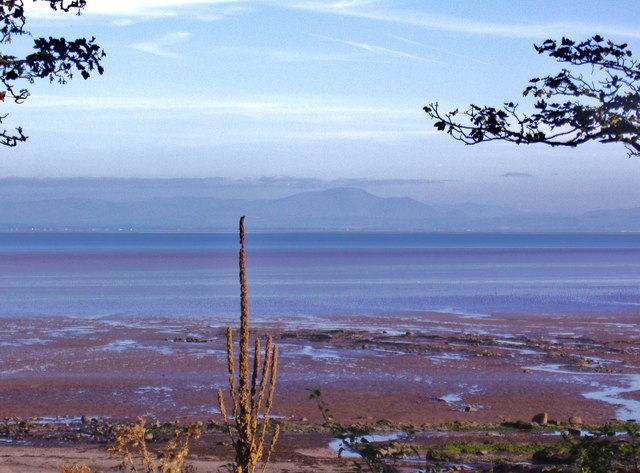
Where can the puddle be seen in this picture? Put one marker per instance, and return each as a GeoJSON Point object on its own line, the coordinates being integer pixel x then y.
{"type": "Point", "coordinates": [337, 444]}
{"type": "Point", "coordinates": [450, 398]}
{"type": "Point", "coordinates": [121, 345]}
{"type": "Point", "coordinates": [448, 356]}
{"type": "Point", "coordinates": [320, 353]}
{"type": "Point", "coordinates": [626, 408]}
{"type": "Point", "coordinates": [505, 341]}
{"type": "Point", "coordinates": [153, 389]}
{"type": "Point", "coordinates": [393, 332]}
{"type": "Point", "coordinates": [57, 420]}
{"type": "Point", "coordinates": [24, 341]}
{"type": "Point", "coordinates": [583, 433]}
{"type": "Point", "coordinates": [74, 331]}
{"type": "Point", "coordinates": [124, 345]}
{"type": "Point", "coordinates": [558, 369]}
{"type": "Point", "coordinates": [521, 351]}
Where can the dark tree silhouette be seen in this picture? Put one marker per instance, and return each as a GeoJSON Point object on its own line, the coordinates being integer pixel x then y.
{"type": "Point", "coordinates": [571, 109]}
{"type": "Point", "coordinates": [55, 59]}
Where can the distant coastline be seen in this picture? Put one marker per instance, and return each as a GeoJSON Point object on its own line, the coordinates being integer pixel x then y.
{"type": "Point", "coordinates": [185, 206]}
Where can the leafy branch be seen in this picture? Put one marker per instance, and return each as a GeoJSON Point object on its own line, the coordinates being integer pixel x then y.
{"type": "Point", "coordinates": [570, 108]}
{"type": "Point", "coordinates": [55, 59]}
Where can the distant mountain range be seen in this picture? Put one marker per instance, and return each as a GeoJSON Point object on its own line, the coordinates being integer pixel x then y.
{"type": "Point", "coordinates": [326, 210]}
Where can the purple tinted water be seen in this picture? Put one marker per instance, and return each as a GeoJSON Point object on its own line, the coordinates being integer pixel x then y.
{"type": "Point", "coordinates": [105, 279]}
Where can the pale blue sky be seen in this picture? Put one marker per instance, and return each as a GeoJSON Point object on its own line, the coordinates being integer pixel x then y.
{"type": "Point", "coordinates": [328, 89]}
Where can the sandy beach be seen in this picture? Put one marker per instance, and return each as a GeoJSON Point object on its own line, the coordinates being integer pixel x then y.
{"type": "Point", "coordinates": [428, 370]}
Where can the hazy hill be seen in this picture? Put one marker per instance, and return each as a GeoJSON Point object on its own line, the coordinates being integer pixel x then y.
{"type": "Point", "coordinates": [80, 209]}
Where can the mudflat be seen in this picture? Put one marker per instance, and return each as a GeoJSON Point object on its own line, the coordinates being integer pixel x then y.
{"type": "Point", "coordinates": [411, 373]}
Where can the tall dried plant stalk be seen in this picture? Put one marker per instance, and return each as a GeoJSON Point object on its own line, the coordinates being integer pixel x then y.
{"type": "Point", "coordinates": [252, 396]}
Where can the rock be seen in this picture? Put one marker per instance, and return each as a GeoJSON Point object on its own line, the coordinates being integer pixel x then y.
{"type": "Point", "coordinates": [518, 424]}
{"type": "Point", "coordinates": [575, 420]}
{"type": "Point", "coordinates": [84, 419]}
{"type": "Point", "coordinates": [198, 340]}
{"type": "Point", "coordinates": [321, 337]}
{"type": "Point", "coordinates": [542, 418]}
{"type": "Point", "coordinates": [574, 432]}
{"type": "Point", "coordinates": [385, 422]}
{"type": "Point", "coordinates": [483, 453]}
{"type": "Point", "coordinates": [470, 409]}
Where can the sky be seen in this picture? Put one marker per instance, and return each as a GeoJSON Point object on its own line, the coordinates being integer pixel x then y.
{"type": "Point", "coordinates": [330, 90]}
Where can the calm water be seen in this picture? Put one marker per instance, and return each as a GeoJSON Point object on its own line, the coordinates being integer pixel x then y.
{"type": "Point", "coordinates": [90, 275]}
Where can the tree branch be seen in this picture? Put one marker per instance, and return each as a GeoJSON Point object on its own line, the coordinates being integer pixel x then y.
{"type": "Point", "coordinates": [55, 59]}
{"type": "Point", "coordinates": [607, 112]}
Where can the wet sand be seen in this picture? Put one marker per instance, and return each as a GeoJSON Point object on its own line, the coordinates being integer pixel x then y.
{"type": "Point", "coordinates": [420, 369]}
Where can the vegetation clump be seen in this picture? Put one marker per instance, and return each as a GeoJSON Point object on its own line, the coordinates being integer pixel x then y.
{"type": "Point", "coordinates": [131, 443]}
{"type": "Point", "coordinates": [603, 450]}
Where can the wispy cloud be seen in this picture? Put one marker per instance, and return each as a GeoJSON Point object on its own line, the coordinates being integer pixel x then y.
{"type": "Point", "coordinates": [516, 174]}
{"type": "Point", "coordinates": [161, 46]}
{"type": "Point", "coordinates": [378, 50]}
{"type": "Point", "coordinates": [378, 11]}
{"type": "Point", "coordinates": [315, 109]}
{"type": "Point", "coordinates": [123, 22]}
{"type": "Point", "coordinates": [277, 119]}
{"type": "Point", "coordinates": [286, 55]}
{"type": "Point", "coordinates": [373, 134]}
{"type": "Point", "coordinates": [402, 39]}
{"type": "Point", "coordinates": [153, 8]}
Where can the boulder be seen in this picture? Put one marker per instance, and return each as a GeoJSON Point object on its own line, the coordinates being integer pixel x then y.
{"type": "Point", "coordinates": [542, 418]}
{"type": "Point", "coordinates": [575, 420]}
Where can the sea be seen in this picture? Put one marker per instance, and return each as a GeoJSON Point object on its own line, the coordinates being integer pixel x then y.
{"type": "Point", "coordinates": [316, 275]}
